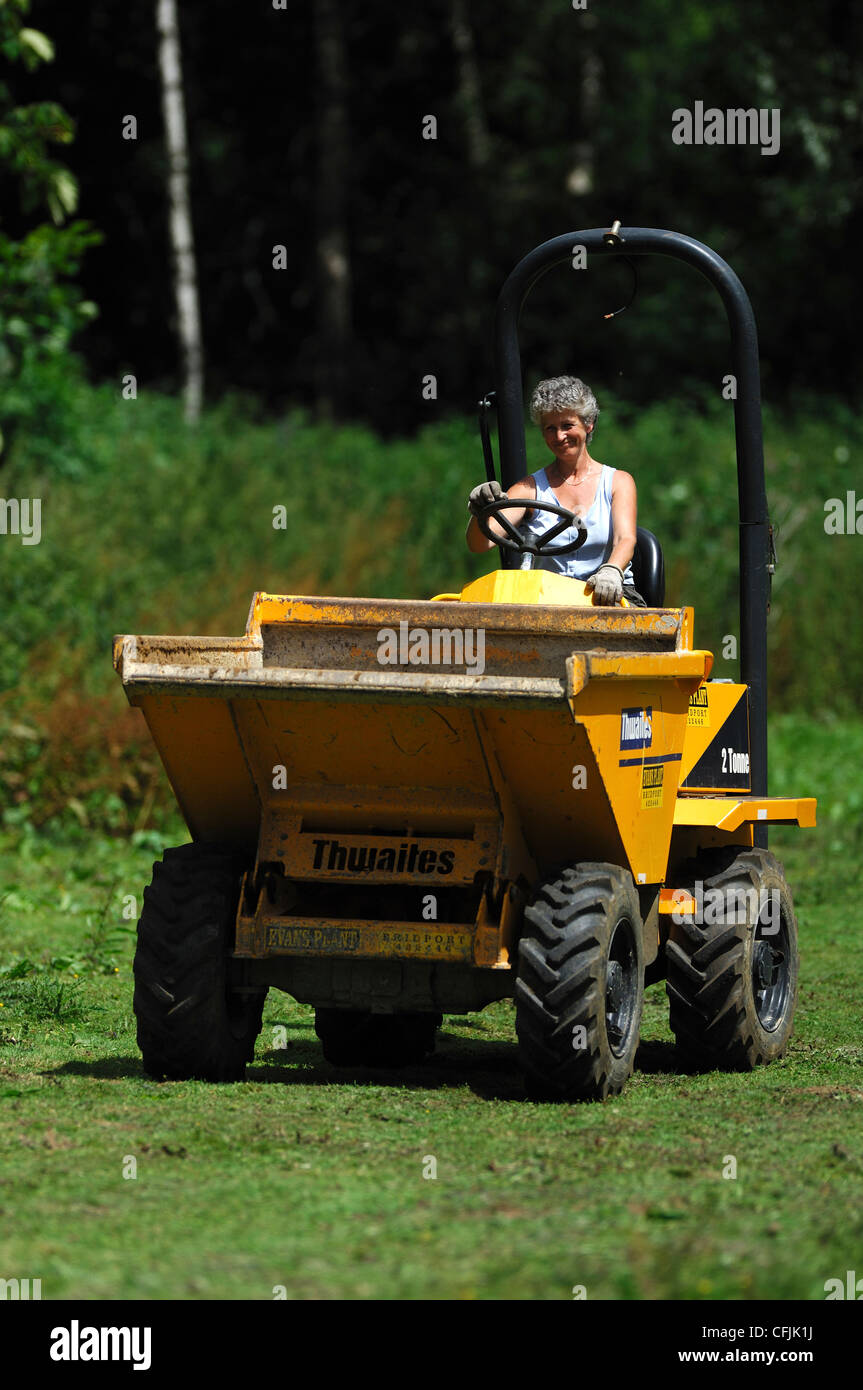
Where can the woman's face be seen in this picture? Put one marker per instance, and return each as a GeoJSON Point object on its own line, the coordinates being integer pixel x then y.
{"type": "Point", "coordinates": [565, 433]}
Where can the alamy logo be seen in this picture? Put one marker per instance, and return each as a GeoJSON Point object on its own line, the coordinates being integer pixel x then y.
{"type": "Point", "coordinates": [735, 126]}
{"type": "Point", "coordinates": [435, 646]}
{"type": "Point", "coordinates": [636, 727]}
{"type": "Point", "coordinates": [20, 1289]}
{"type": "Point", "coordinates": [21, 518]}
{"type": "Point", "coordinates": [852, 1287]}
{"type": "Point", "coordinates": [77, 1343]}
{"type": "Point", "coordinates": [733, 906]}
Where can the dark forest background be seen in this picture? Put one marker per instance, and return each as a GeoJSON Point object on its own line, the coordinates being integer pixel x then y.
{"type": "Point", "coordinates": [305, 128]}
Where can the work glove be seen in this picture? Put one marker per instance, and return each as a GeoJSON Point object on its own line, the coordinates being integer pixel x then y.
{"type": "Point", "coordinates": [607, 585]}
{"type": "Point", "coordinates": [482, 495]}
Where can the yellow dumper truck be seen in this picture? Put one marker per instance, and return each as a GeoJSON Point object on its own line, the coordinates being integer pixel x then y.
{"type": "Point", "coordinates": [405, 808]}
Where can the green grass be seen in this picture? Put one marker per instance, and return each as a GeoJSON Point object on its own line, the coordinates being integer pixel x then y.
{"type": "Point", "coordinates": [312, 1179]}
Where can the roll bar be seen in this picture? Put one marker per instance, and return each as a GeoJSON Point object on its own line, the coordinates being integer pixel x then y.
{"type": "Point", "coordinates": [756, 548]}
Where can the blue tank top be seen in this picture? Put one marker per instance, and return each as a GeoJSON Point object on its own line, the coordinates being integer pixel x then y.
{"type": "Point", "coordinates": [580, 564]}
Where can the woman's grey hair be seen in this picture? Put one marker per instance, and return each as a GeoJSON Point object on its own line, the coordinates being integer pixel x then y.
{"type": "Point", "coordinates": [564, 393]}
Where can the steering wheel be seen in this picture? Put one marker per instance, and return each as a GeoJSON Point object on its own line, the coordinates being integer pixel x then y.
{"type": "Point", "coordinates": [513, 541]}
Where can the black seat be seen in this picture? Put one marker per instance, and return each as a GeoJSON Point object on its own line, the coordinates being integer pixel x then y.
{"type": "Point", "coordinates": [648, 568]}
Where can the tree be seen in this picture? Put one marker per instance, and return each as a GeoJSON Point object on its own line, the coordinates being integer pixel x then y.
{"type": "Point", "coordinates": [40, 310]}
{"type": "Point", "coordinates": [332, 176]}
{"type": "Point", "coordinates": [182, 237]}
{"type": "Point", "coordinates": [469, 87]}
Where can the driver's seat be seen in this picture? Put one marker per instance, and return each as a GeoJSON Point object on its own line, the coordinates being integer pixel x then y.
{"type": "Point", "coordinates": [648, 568]}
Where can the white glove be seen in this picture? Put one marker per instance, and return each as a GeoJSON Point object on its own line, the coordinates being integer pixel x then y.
{"type": "Point", "coordinates": [607, 585]}
{"type": "Point", "coordinates": [482, 495]}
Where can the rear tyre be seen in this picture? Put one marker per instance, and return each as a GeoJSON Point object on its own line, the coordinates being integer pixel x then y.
{"type": "Point", "coordinates": [732, 980]}
{"type": "Point", "coordinates": [191, 1021]}
{"type": "Point", "coordinates": [359, 1038]}
{"type": "Point", "coordinates": [580, 984]}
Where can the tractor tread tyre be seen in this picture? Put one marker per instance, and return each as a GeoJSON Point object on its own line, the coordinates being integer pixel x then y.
{"type": "Point", "coordinates": [190, 1025]}
{"type": "Point", "coordinates": [360, 1038]}
{"type": "Point", "coordinates": [562, 984]}
{"type": "Point", "coordinates": [714, 1011]}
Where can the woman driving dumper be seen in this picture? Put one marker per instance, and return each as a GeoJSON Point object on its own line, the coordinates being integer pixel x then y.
{"type": "Point", "coordinates": [602, 498]}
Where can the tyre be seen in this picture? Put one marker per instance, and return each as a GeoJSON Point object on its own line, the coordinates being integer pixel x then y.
{"type": "Point", "coordinates": [579, 986]}
{"type": "Point", "coordinates": [191, 1021]}
{"type": "Point", "coordinates": [732, 979]}
{"type": "Point", "coordinates": [359, 1038]}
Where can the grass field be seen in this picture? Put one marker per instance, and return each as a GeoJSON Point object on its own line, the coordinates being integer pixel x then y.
{"type": "Point", "coordinates": [312, 1180]}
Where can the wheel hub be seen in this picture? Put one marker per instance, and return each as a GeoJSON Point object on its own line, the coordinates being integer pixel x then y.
{"type": "Point", "coordinates": [763, 964]}
{"type": "Point", "coordinates": [620, 987]}
{"type": "Point", "coordinates": [770, 978]}
{"type": "Point", "coordinates": [614, 986]}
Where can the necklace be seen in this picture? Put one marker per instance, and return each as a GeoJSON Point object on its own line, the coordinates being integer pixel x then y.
{"type": "Point", "coordinates": [591, 473]}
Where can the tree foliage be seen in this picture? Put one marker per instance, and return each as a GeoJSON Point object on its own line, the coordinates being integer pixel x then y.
{"type": "Point", "coordinates": [41, 307]}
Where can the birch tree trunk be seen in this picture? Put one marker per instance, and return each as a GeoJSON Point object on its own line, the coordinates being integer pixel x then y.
{"type": "Point", "coordinates": [470, 94]}
{"type": "Point", "coordinates": [581, 179]}
{"type": "Point", "coordinates": [476, 220]}
{"type": "Point", "coordinates": [332, 368]}
{"type": "Point", "coordinates": [182, 239]}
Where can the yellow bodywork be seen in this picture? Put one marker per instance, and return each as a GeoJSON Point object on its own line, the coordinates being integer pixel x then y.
{"type": "Point", "coordinates": [400, 803]}
{"type": "Point", "coordinates": [526, 586]}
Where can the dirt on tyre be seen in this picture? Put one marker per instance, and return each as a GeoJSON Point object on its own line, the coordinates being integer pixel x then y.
{"type": "Point", "coordinates": [731, 980]}
{"type": "Point", "coordinates": [192, 1021]}
{"type": "Point", "coordinates": [359, 1038]}
{"type": "Point", "coordinates": [580, 984]}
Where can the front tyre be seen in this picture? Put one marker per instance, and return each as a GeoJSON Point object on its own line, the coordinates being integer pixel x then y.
{"type": "Point", "coordinates": [580, 984]}
{"type": "Point", "coordinates": [194, 1020]}
{"type": "Point", "coordinates": [732, 978]}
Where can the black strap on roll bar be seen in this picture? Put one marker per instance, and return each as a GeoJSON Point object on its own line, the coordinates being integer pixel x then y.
{"type": "Point", "coordinates": [485, 435]}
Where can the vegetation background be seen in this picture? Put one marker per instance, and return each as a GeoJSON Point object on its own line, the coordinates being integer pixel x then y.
{"type": "Point", "coordinates": [305, 131]}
